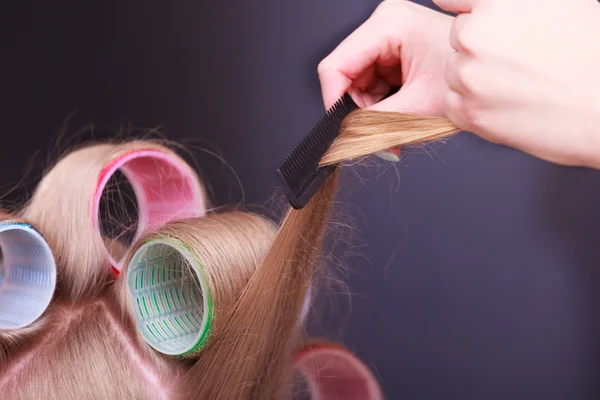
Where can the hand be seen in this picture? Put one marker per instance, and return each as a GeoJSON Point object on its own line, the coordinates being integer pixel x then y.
{"type": "Point", "coordinates": [526, 74]}
{"type": "Point", "coordinates": [402, 43]}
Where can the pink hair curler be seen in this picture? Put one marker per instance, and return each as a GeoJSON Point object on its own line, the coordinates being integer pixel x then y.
{"type": "Point", "coordinates": [331, 372]}
{"type": "Point", "coordinates": [165, 190]}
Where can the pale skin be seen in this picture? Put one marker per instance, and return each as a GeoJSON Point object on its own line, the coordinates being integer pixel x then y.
{"type": "Point", "coordinates": [521, 73]}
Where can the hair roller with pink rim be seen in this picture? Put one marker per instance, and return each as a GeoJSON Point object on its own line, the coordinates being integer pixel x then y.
{"type": "Point", "coordinates": [65, 205]}
{"type": "Point", "coordinates": [328, 371]}
{"type": "Point", "coordinates": [164, 190]}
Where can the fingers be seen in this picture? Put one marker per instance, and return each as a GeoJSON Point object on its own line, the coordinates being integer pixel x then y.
{"type": "Point", "coordinates": [350, 61]}
{"type": "Point", "coordinates": [391, 73]}
{"type": "Point", "coordinates": [462, 107]}
{"type": "Point", "coordinates": [398, 103]}
{"type": "Point", "coordinates": [414, 99]}
{"type": "Point", "coordinates": [347, 62]}
{"type": "Point", "coordinates": [455, 6]}
{"type": "Point", "coordinates": [454, 98]}
{"type": "Point", "coordinates": [454, 104]}
{"type": "Point", "coordinates": [457, 34]}
{"type": "Point", "coordinates": [333, 84]}
{"type": "Point", "coordinates": [461, 78]}
{"type": "Point", "coordinates": [453, 79]}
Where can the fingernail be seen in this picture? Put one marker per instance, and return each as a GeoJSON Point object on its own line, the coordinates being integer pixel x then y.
{"type": "Point", "coordinates": [387, 155]}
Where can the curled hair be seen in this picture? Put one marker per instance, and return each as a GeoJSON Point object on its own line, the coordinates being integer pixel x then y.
{"type": "Point", "coordinates": [181, 283]}
{"type": "Point", "coordinates": [252, 356]}
{"type": "Point", "coordinates": [225, 291]}
{"type": "Point", "coordinates": [65, 206]}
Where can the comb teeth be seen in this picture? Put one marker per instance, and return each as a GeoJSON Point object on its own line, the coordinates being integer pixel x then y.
{"type": "Point", "coordinates": [300, 172]}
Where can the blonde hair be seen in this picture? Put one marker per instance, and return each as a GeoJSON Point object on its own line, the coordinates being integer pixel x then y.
{"type": "Point", "coordinates": [181, 282]}
{"type": "Point", "coordinates": [85, 351]}
{"type": "Point", "coordinates": [165, 186]}
{"type": "Point", "coordinates": [256, 277]}
{"type": "Point", "coordinates": [251, 358]}
{"type": "Point", "coordinates": [365, 132]}
{"type": "Point", "coordinates": [83, 324]}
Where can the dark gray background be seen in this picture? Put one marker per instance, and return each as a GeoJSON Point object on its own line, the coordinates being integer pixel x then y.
{"type": "Point", "coordinates": [473, 269]}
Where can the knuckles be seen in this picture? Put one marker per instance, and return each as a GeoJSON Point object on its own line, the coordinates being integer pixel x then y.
{"type": "Point", "coordinates": [466, 74]}
{"type": "Point", "coordinates": [467, 39]}
{"type": "Point", "coordinates": [322, 68]}
{"type": "Point", "coordinates": [472, 91]}
{"type": "Point", "coordinates": [468, 36]}
{"type": "Point", "coordinates": [326, 67]}
{"type": "Point", "coordinates": [466, 112]}
{"type": "Point", "coordinates": [470, 78]}
{"type": "Point", "coordinates": [475, 117]}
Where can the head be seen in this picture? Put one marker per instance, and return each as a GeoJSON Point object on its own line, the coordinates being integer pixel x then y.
{"type": "Point", "coordinates": [198, 303]}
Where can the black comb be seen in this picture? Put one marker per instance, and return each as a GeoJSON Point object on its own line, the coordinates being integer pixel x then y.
{"type": "Point", "coordinates": [300, 172]}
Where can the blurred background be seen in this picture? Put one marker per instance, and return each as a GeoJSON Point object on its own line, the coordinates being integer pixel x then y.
{"type": "Point", "coordinates": [472, 268]}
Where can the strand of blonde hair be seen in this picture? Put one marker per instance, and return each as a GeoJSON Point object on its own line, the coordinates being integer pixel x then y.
{"type": "Point", "coordinates": [252, 358]}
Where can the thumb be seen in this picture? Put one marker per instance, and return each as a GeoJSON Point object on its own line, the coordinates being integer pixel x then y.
{"type": "Point", "coordinates": [333, 86]}
{"type": "Point", "coordinates": [406, 100]}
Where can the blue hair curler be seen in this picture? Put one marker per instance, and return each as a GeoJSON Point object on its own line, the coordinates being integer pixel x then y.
{"type": "Point", "coordinates": [27, 274]}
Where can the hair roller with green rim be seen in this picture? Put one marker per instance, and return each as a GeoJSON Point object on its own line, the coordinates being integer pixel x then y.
{"type": "Point", "coordinates": [172, 303]}
{"type": "Point", "coordinates": [181, 281]}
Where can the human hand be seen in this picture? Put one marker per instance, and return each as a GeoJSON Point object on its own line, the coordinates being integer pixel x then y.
{"type": "Point", "coordinates": [402, 43]}
{"type": "Point", "coordinates": [525, 75]}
